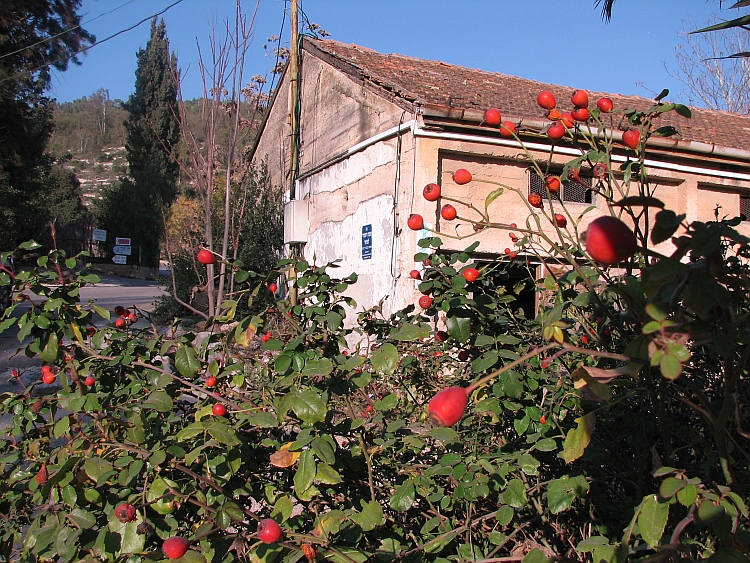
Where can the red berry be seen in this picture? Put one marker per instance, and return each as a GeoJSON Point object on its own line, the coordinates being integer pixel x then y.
{"type": "Point", "coordinates": [120, 323]}
{"type": "Point", "coordinates": [546, 100]}
{"type": "Point", "coordinates": [631, 138]}
{"type": "Point", "coordinates": [463, 355]}
{"type": "Point", "coordinates": [471, 274]}
{"type": "Point", "coordinates": [605, 105]}
{"type": "Point", "coordinates": [580, 99]}
{"type": "Point", "coordinates": [132, 318]}
{"type": "Point", "coordinates": [175, 547]}
{"type": "Point", "coordinates": [584, 339]}
{"type": "Point", "coordinates": [266, 337]}
{"type": "Point", "coordinates": [448, 212]}
{"type": "Point", "coordinates": [415, 275]}
{"type": "Point", "coordinates": [90, 380]}
{"type": "Point", "coordinates": [556, 131]}
{"type": "Point", "coordinates": [447, 407]}
{"type": "Point", "coordinates": [609, 241]}
{"type": "Point", "coordinates": [553, 184]}
{"type": "Point", "coordinates": [561, 220]}
{"type": "Point", "coordinates": [507, 251]}
{"type": "Point", "coordinates": [415, 222]}
{"type": "Point", "coordinates": [544, 363]}
{"type": "Point", "coordinates": [508, 129]}
{"type": "Point", "coordinates": [542, 420]}
{"type": "Point", "coordinates": [273, 288]}
{"type": "Point", "coordinates": [219, 409]}
{"type": "Point", "coordinates": [512, 255]}
{"type": "Point", "coordinates": [492, 117]}
{"type": "Point", "coordinates": [437, 354]}
{"type": "Point", "coordinates": [441, 336]}
{"type": "Point", "coordinates": [535, 199]}
{"type": "Point", "coordinates": [431, 192]}
{"type": "Point", "coordinates": [211, 381]}
{"type": "Point", "coordinates": [574, 175]}
{"type": "Point", "coordinates": [580, 114]}
{"type": "Point", "coordinates": [91, 331]}
{"type": "Point", "coordinates": [425, 302]}
{"type": "Point", "coordinates": [48, 378]}
{"type": "Point", "coordinates": [567, 119]}
{"type": "Point", "coordinates": [120, 311]}
{"type": "Point", "coordinates": [206, 257]}
{"type": "Point", "coordinates": [125, 512]}
{"type": "Point", "coordinates": [269, 531]}
{"type": "Point", "coordinates": [461, 176]}
{"type": "Point", "coordinates": [14, 373]}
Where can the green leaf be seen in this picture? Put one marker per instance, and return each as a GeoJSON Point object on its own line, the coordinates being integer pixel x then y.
{"type": "Point", "coordinates": [670, 366]}
{"type": "Point", "coordinates": [484, 362]}
{"type": "Point", "coordinates": [306, 471]}
{"type": "Point", "coordinates": [317, 368]}
{"type": "Point", "coordinates": [688, 495]}
{"type": "Point", "coordinates": [652, 520]}
{"type": "Point", "coordinates": [738, 22]}
{"type": "Point", "coordinates": [159, 401]}
{"type": "Point", "coordinates": [327, 474]}
{"type": "Point", "coordinates": [101, 311]}
{"type": "Point", "coordinates": [371, 516]}
{"type": "Point", "coordinates": [223, 433]}
{"type": "Point", "coordinates": [492, 196]}
{"type": "Point", "coordinates": [309, 406]}
{"type": "Point", "coordinates": [563, 491]}
{"type": "Point", "coordinates": [387, 403]}
{"type": "Point", "coordinates": [49, 352]}
{"type": "Point", "coordinates": [667, 222]}
{"type": "Point", "coordinates": [404, 496]}
{"type": "Point", "coordinates": [504, 515]}
{"type": "Point", "coordinates": [459, 327]}
{"type": "Point", "coordinates": [640, 201]}
{"type": "Point", "coordinates": [409, 332]}
{"type": "Point", "coordinates": [186, 362]}
{"type": "Point", "coordinates": [263, 420]}
{"type": "Point", "coordinates": [671, 486]}
{"type": "Point", "coordinates": [536, 555]}
{"type": "Point", "coordinates": [82, 518]}
{"type": "Point", "coordinates": [385, 358]}
{"type": "Point", "coordinates": [528, 464]}
{"type": "Point", "coordinates": [95, 467]}
{"type": "Point", "coordinates": [728, 555]}
{"type": "Point", "coordinates": [709, 512]}
{"type": "Point", "coordinates": [515, 494]}
{"type": "Point", "coordinates": [578, 438]}
{"type": "Point", "coordinates": [324, 449]}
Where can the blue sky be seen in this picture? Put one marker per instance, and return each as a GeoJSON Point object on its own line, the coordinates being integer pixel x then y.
{"type": "Point", "coordinates": [559, 41]}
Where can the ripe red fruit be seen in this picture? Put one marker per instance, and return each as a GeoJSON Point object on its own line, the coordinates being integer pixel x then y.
{"type": "Point", "coordinates": [425, 302]}
{"type": "Point", "coordinates": [14, 373]}
{"type": "Point", "coordinates": [266, 337]}
{"type": "Point", "coordinates": [574, 175]}
{"type": "Point", "coordinates": [605, 105]}
{"type": "Point", "coordinates": [46, 369]}
{"type": "Point", "coordinates": [580, 114]}
{"type": "Point", "coordinates": [437, 354]}
{"type": "Point", "coordinates": [512, 255]}
{"type": "Point", "coordinates": [273, 288]}
{"type": "Point", "coordinates": [211, 381]}
{"type": "Point", "coordinates": [448, 212]}
{"type": "Point", "coordinates": [463, 355]}
{"type": "Point", "coordinates": [90, 380]}
{"type": "Point", "coordinates": [205, 256]}
{"type": "Point", "coordinates": [471, 274]}
{"type": "Point", "coordinates": [544, 364]}
{"type": "Point", "coordinates": [125, 512]}
{"type": "Point", "coordinates": [120, 323]}
{"type": "Point", "coordinates": [631, 138]}
{"type": "Point", "coordinates": [415, 275]}
{"type": "Point", "coordinates": [462, 176]}
{"type": "Point", "coordinates": [91, 331]}
{"type": "Point", "coordinates": [219, 409]}
{"type": "Point", "coordinates": [175, 547]}
{"type": "Point", "coordinates": [508, 129]}
{"type": "Point", "coordinates": [431, 192]}
{"type": "Point", "coordinates": [513, 226]}
{"type": "Point", "coordinates": [556, 131]}
{"type": "Point", "coordinates": [447, 407]}
{"type": "Point", "coordinates": [441, 336]}
{"type": "Point", "coordinates": [609, 241]}
{"type": "Point", "coordinates": [553, 184]}
{"type": "Point", "coordinates": [561, 220]}
{"type": "Point", "coordinates": [269, 531]}
{"type": "Point", "coordinates": [584, 339]}
{"type": "Point", "coordinates": [48, 378]}
{"type": "Point", "coordinates": [535, 199]}
{"type": "Point", "coordinates": [507, 251]}
{"type": "Point", "coordinates": [542, 420]}
{"type": "Point", "coordinates": [492, 117]}
{"type": "Point", "coordinates": [120, 311]}
{"type": "Point", "coordinates": [567, 119]}
{"type": "Point", "coordinates": [415, 222]}
{"type": "Point", "coordinates": [546, 100]}
{"type": "Point", "coordinates": [580, 99]}
{"type": "Point", "coordinates": [132, 317]}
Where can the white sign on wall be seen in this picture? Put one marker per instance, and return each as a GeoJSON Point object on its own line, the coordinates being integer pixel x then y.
{"type": "Point", "coordinates": [120, 259]}
{"type": "Point", "coordinates": [122, 250]}
{"type": "Point", "coordinates": [99, 234]}
{"type": "Point", "coordinates": [123, 241]}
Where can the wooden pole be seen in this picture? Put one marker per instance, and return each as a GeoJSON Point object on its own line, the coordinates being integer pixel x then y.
{"type": "Point", "coordinates": [294, 98]}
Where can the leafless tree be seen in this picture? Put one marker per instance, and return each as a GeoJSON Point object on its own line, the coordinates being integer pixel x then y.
{"type": "Point", "coordinates": [713, 78]}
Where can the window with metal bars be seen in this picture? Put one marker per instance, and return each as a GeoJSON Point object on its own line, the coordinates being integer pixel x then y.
{"type": "Point", "coordinates": [745, 207]}
{"type": "Point", "coordinates": [576, 192]}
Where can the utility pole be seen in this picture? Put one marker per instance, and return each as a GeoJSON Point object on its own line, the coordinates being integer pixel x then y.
{"type": "Point", "coordinates": [294, 98]}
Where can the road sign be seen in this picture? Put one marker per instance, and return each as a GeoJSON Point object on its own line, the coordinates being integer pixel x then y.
{"type": "Point", "coordinates": [367, 242]}
{"type": "Point", "coordinates": [99, 234]}
{"type": "Point", "coordinates": [122, 250]}
{"type": "Point", "coordinates": [122, 241]}
{"type": "Point", "coordinates": [120, 259]}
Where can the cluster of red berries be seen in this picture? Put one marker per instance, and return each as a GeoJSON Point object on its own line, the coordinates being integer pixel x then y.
{"type": "Point", "coordinates": [126, 317]}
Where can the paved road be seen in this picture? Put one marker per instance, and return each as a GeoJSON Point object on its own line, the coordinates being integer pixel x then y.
{"type": "Point", "coordinates": [110, 292]}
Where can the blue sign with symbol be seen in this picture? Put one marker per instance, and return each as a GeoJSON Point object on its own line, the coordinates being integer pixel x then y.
{"type": "Point", "coordinates": [367, 242]}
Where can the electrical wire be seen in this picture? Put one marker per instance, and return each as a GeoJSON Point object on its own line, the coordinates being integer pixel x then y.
{"type": "Point", "coordinates": [46, 39]}
{"type": "Point", "coordinates": [132, 27]}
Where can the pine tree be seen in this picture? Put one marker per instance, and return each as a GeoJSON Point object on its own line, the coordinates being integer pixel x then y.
{"type": "Point", "coordinates": [152, 135]}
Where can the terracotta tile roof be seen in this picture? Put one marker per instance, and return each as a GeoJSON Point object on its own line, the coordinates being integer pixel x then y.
{"type": "Point", "coordinates": [419, 82]}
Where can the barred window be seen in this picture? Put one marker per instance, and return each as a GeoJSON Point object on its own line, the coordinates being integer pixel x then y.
{"type": "Point", "coordinates": [569, 191]}
{"type": "Point", "coordinates": [745, 207]}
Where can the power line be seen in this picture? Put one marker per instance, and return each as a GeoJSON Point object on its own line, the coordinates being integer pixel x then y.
{"type": "Point", "coordinates": [46, 39]}
{"type": "Point", "coordinates": [97, 43]}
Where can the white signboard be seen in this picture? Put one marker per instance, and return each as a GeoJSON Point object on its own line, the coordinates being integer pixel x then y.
{"type": "Point", "coordinates": [99, 234]}
{"type": "Point", "coordinates": [123, 241]}
{"type": "Point", "coordinates": [120, 259]}
{"type": "Point", "coordinates": [123, 250]}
